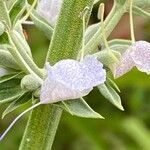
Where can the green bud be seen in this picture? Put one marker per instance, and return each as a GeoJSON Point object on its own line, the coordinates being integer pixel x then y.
{"type": "Point", "coordinates": [30, 83]}
{"type": "Point", "coordinates": [20, 43]}
{"type": "Point", "coordinates": [2, 28]}
{"type": "Point", "coordinates": [37, 93]}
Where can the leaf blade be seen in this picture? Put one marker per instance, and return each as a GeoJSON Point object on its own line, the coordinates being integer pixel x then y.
{"type": "Point", "coordinates": [110, 94]}
{"type": "Point", "coordinates": [79, 108]}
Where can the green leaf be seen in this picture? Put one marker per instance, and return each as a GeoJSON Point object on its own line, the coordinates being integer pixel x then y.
{"type": "Point", "coordinates": [20, 101]}
{"type": "Point", "coordinates": [10, 3]}
{"type": "Point", "coordinates": [4, 38]}
{"type": "Point", "coordinates": [112, 83]}
{"type": "Point", "coordinates": [11, 76]}
{"type": "Point", "coordinates": [79, 108]}
{"type": "Point", "coordinates": [141, 12]}
{"type": "Point", "coordinates": [90, 31]}
{"type": "Point", "coordinates": [108, 57]}
{"type": "Point", "coordinates": [42, 24]}
{"type": "Point", "coordinates": [109, 93]}
{"type": "Point", "coordinates": [4, 14]}
{"type": "Point", "coordinates": [6, 60]}
{"type": "Point", "coordinates": [141, 3]}
{"type": "Point", "coordinates": [10, 90]}
{"type": "Point", "coordinates": [119, 45]}
{"type": "Point", "coordinates": [119, 42]}
{"type": "Point", "coordinates": [17, 10]}
{"type": "Point", "coordinates": [2, 28]}
{"type": "Point", "coordinates": [19, 28]}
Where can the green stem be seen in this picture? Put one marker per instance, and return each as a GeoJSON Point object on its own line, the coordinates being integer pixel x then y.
{"type": "Point", "coordinates": [41, 128]}
{"type": "Point", "coordinates": [18, 42]}
{"type": "Point", "coordinates": [110, 23]}
{"type": "Point", "coordinates": [66, 41]}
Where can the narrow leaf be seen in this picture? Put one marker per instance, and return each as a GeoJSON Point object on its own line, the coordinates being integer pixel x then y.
{"type": "Point", "coordinates": [20, 101]}
{"type": "Point", "coordinates": [17, 10]}
{"type": "Point", "coordinates": [109, 93]}
{"type": "Point", "coordinates": [141, 12]}
{"type": "Point", "coordinates": [118, 45]}
{"type": "Point", "coordinates": [113, 84]}
{"type": "Point", "coordinates": [10, 90]}
{"type": "Point", "coordinates": [6, 60]}
{"type": "Point", "coordinates": [79, 108]}
{"type": "Point", "coordinates": [11, 76]}
{"type": "Point", "coordinates": [4, 14]}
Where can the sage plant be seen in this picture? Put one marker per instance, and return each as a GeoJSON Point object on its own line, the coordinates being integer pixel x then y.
{"type": "Point", "coordinates": [73, 66]}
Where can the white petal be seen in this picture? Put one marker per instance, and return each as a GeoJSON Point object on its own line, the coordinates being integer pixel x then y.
{"type": "Point", "coordinates": [95, 75]}
{"type": "Point", "coordinates": [70, 79]}
{"type": "Point", "coordinates": [54, 91]}
{"type": "Point", "coordinates": [49, 9]}
{"type": "Point", "coordinates": [124, 65]}
{"type": "Point", "coordinates": [141, 56]}
{"type": "Point", "coordinates": [79, 75]}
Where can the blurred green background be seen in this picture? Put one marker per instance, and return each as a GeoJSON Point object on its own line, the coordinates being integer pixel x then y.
{"type": "Point", "coordinates": [128, 130]}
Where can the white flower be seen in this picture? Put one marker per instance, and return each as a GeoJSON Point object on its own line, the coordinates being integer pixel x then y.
{"type": "Point", "coordinates": [70, 79]}
{"type": "Point", "coordinates": [137, 55]}
{"type": "Point", "coordinates": [49, 9]}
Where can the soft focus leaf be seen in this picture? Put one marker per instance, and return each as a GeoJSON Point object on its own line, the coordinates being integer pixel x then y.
{"type": "Point", "coordinates": [138, 132]}
{"type": "Point", "coordinates": [142, 3]}
{"type": "Point", "coordinates": [42, 24]}
{"type": "Point", "coordinates": [109, 93]}
{"type": "Point", "coordinates": [141, 12]}
{"type": "Point", "coordinates": [79, 108]}
{"type": "Point", "coordinates": [23, 99]}
{"type": "Point", "coordinates": [17, 10]}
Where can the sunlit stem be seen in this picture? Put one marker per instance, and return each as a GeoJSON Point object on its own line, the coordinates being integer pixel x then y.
{"type": "Point", "coordinates": [29, 11]}
{"type": "Point", "coordinates": [28, 23]}
{"type": "Point", "coordinates": [83, 15]}
{"type": "Point", "coordinates": [101, 17]}
{"type": "Point", "coordinates": [17, 118]}
{"type": "Point", "coordinates": [131, 22]}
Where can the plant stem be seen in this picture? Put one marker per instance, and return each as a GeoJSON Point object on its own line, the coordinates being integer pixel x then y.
{"type": "Point", "coordinates": [110, 24]}
{"type": "Point", "coordinates": [41, 128]}
{"type": "Point", "coordinates": [66, 41]}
